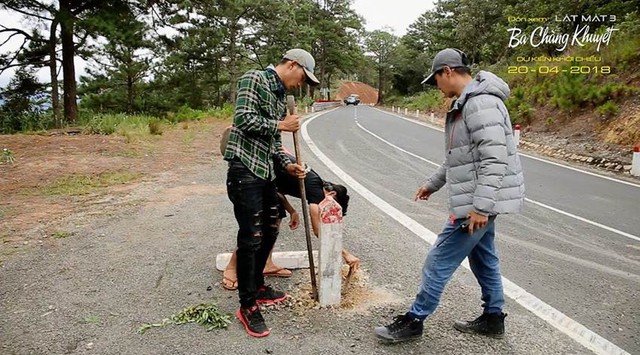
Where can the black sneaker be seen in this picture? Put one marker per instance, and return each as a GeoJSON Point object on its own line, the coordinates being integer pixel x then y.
{"type": "Point", "coordinates": [267, 295]}
{"type": "Point", "coordinates": [491, 325]}
{"type": "Point", "coordinates": [253, 321]}
{"type": "Point", "coordinates": [403, 328]}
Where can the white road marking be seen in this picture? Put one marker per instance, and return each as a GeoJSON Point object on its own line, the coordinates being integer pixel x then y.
{"type": "Point", "coordinates": [582, 219]}
{"type": "Point", "coordinates": [559, 320]}
{"type": "Point", "coordinates": [436, 128]}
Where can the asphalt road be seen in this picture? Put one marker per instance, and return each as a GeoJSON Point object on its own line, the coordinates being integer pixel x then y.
{"type": "Point", "coordinates": [583, 258]}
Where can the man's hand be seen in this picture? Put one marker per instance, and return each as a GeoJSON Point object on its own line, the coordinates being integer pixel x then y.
{"type": "Point", "coordinates": [291, 123]}
{"type": "Point", "coordinates": [296, 170]}
{"type": "Point", "coordinates": [422, 194]}
{"type": "Point", "coordinates": [294, 220]}
{"type": "Point", "coordinates": [476, 221]}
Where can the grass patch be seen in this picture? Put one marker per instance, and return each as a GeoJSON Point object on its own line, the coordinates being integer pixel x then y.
{"type": "Point", "coordinates": [74, 185]}
{"type": "Point", "coordinates": [61, 234]}
{"type": "Point", "coordinates": [188, 138]}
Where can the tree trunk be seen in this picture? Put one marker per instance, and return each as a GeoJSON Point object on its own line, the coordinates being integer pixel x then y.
{"type": "Point", "coordinates": [233, 62]}
{"type": "Point", "coordinates": [53, 69]}
{"type": "Point", "coordinates": [380, 86]}
{"type": "Point", "coordinates": [68, 66]}
{"type": "Point", "coordinates": [129, 94]}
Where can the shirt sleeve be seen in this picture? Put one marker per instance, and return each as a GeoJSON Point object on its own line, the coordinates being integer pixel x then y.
{"type": "Point", "coordinates": [280, 155]}
{"type": "Point", "coordinates": [247, 114]}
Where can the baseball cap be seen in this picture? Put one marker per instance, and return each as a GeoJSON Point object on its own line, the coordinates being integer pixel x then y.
{"type": "Point", "coordinates": [450, 57]}
{"type": "Point", "coordinates": [306, 61]}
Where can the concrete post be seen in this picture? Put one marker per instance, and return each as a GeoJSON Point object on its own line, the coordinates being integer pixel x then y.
{"type": "Point", "coordinates": [405, 111]}
{"type": "Point", "coordinates": [306, 109]}
{"type": "Point", "coordinates": [330, 260]}
{"type": "Point", "coordinates": [635, 162]}
{"type": "Point", "coordinates": [432, 117]}
{"type": "Point", "coordinates": [516, 135]}
{"type": "Point", "coordinates": [418, 113]}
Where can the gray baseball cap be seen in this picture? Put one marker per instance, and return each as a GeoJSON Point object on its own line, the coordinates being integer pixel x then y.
{"type": "Point", "coordinates": [450, 57]}
{"type": "Point", "coordinates": [306, 61]}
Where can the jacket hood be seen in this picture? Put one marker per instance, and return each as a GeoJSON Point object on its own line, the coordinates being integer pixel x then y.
{"type": "Point", "coordinates": [485, 83]}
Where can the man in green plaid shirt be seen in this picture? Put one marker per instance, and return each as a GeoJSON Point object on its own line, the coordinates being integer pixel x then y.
{"type": "Point", "coordinates": [254, 140]}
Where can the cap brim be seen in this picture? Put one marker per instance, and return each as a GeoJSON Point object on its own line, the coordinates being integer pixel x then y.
{"type": "Point", "coordinates": [430, 80]}
{"type": "Point", "coordinates": [311, 79]}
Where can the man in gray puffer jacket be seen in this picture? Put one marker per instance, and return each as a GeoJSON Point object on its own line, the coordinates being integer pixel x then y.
{"type": "Point", "coordinates": [484, 178]}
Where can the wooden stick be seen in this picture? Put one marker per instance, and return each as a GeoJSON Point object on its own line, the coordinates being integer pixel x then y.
{"type": "Point", "coordinates": [291, 103]}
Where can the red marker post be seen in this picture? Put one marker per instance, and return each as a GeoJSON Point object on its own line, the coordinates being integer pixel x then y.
{"type": "Point", "coordinates": [516, 135]}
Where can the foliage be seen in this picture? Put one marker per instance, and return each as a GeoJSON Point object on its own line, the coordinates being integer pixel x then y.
{"type": "Point", "coordinates": [206, 315]}
{"type": "Point", "coordinates": [180, 60]}
{"type": "Point", "coordinates": [7, 156]}
{"type": "Point", "coordinates": [608, 109]}
{"type": "Point", "coordinates": [23, 98]}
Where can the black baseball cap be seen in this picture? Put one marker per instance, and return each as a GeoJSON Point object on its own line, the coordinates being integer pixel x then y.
{"type": "Point", "coordinates": [450, 57]}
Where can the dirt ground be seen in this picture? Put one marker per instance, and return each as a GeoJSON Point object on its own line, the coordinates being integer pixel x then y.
{"type": "Point", "coordinates": [29, 210]}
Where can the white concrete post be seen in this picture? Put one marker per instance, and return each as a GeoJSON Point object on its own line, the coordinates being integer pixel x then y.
{"type": "Point", "coordinates": [405, 111]}
{"type": "Point", "coordinates": [635, 163]}
{"type": "Point", "coordinates": [306, 109]}
{"type": "Point", "coordinates": [330, 260]}
{"type": "Point", "coordinates": [432, 117]}
{"type": "Point", "coordinates": [312, 109]}
{"type": "Point", "coordinates": [393, 108]}
{"type": "Point", "coordinates": [418, 113]}
{"type": "Point", "coordinates": [516, 135]}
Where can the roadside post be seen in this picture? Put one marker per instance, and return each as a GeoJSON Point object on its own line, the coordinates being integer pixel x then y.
{"type": "Point", "coordinates": [330, 253]}
{"type": "Point", "coordinates": [635, 163]}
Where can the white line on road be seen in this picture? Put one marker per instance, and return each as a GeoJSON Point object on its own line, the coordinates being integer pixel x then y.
{"type": "Point", "coordinates": [582, 219]}
{"type": "Point", "coordinates": [559, 320]}
{"type": "Point", "coordinates": [435, 128]}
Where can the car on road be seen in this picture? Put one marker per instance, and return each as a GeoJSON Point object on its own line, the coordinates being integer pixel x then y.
{"type": "Point", "coordinates": [352, 99]}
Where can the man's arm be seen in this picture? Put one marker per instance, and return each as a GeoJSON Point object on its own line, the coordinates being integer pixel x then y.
{"type": "Point", "coordinates": [294, 219]}
{"type": "Point", "coordinates": [314, 213]}
{"type": "Point", "coordinates": [247, 116]}
{"type": "Point", "coordinates": [437, 180]}
{"type": "Point", "coordinates": [286, 204]}
{"type": "Point", "coordinates": [281, 156]}
{"type": "Point", "coordinates": [486, 125]}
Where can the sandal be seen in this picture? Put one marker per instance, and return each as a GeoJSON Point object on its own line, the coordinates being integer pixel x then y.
{"type": "Point", "coordinates": [280, 272]}
{"type": "Point", "coordinates": [229, 284]}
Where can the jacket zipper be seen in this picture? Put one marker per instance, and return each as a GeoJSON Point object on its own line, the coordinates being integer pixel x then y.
{"type": "Point", "coordinates": [453, 129]}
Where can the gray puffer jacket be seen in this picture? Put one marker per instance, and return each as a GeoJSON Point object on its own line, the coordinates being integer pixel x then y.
{"type": "Point", "coordinates": [481, 169]}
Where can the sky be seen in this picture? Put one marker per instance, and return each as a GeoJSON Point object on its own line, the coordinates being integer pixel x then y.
{"type": "Point", "coordinates": [395, 16]}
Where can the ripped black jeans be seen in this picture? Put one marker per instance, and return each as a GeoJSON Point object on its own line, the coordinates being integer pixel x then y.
{"type": "Point", "coordinates": [255, 206]}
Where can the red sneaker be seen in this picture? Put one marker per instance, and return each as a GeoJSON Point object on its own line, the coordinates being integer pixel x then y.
{"type": "Point", "coordinates": [253, 321]}
{"type": "Point", "coordinates": [267, 295]}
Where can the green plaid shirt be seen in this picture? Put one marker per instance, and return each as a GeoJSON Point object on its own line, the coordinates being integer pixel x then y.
{"type": "Point", "coordinates": [255, 138]}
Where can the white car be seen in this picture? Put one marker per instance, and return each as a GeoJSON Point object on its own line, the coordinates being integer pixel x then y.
{"type": "Point", "coordinates": [352, 99]}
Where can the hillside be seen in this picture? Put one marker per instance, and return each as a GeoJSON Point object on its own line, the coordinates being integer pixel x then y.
{"type": "Point", "coordinates": [368, 95]}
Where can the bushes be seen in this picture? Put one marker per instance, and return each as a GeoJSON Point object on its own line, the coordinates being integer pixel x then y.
{"type": "Point", "coordinates": [608, 110]}
{"type": "Point", "coordinates": [423, 101]}
{"type": "Point", "coordinates": [520, 109]}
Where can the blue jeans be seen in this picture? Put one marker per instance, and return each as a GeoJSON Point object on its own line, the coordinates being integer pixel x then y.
{"type": "Point", "coordinates": [450, 249]}
{"type": "Point", "coordinates": [255, 206]}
